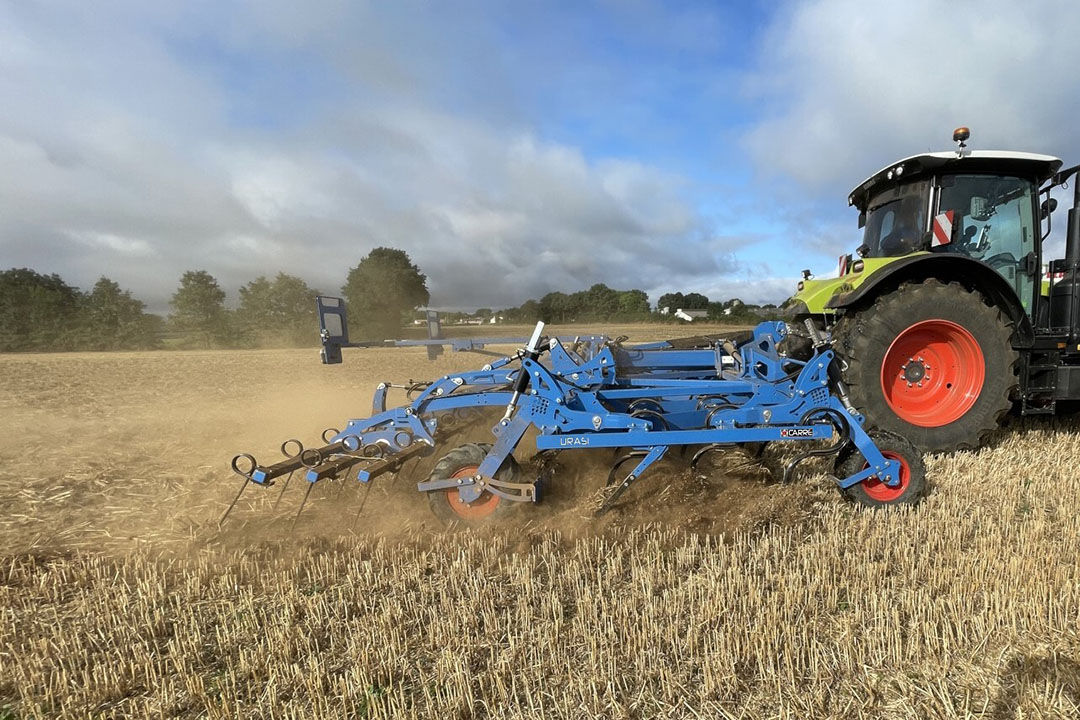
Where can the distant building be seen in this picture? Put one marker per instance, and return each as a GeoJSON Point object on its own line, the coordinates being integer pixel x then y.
{"type": "Point", "coordinates": [691, 315]}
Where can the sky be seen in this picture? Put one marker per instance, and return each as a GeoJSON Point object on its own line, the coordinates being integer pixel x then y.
{"type": "Point", "coordinates": [512, 149]}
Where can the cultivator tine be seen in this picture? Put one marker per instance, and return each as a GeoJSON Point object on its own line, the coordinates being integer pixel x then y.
{"type": "Point", "coordinates": [341, 488]}
{"type": "Point", "coordinates": [232, 504]}
{"type": "Point", "coordinates": [633, 455]}
{"type": "Point", "coordinates": [302, 504]}
{"type": "Point", "coordinates": [284, 487]}
{"type": "Point", "coordinates": [247, 478]}
{"type": "Point", "coordinates": [714, 447]}
{"type": "Point", "coordinates": [363, 502]}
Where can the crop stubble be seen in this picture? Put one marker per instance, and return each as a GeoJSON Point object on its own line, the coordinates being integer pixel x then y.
{"type": "Point", "coordinates": [726, 596]}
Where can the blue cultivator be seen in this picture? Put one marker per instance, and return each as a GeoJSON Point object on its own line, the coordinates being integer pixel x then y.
{"type": "Point", "coordinates": [594, 392]}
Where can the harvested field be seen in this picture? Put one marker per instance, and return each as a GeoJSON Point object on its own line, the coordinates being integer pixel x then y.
{"type": "Point", "coordinates": [724, 596]}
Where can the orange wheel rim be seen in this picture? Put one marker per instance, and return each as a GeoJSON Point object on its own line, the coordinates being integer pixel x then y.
{"type": "Point", "coordinates": [482, 507]}
{"type": "Point", "coordinates": [932, 373]}
{"type": "Point", "coordinates": [878, 490]}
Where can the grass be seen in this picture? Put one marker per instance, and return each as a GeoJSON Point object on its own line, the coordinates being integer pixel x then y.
{"type": "Point", "coordinates": [119, 597]}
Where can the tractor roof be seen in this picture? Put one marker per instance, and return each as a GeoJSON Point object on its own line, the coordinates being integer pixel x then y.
{"type": "Point", "coordinates": [1006, 162]}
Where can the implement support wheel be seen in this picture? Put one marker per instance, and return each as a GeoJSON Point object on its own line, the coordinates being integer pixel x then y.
{"type": "Point", "coordinates": [461, 462]}
{"type": "Point", "coordinates": [872, 492]}
{"type": "Point", "coordinates": [932, 363]}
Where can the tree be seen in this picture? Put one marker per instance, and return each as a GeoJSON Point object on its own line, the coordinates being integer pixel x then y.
{"type": "Point", "coordinates": [633, 304]}
{"type": "Point", "coordinates": [279, 311]}
{"type": "Point", "coordinates": [557, 307]}
{"type": "Point", "coordinates": [671, 301]}
{"type": "Point", "coordinates": [382, 291]}
{"type": "Point", "coordinates": [199, 307]}
{"type": "Point", "coordinates": [695, 301]}
{"type": "Point", "coordinates": [37, 312]}
{"type": "Point", "coordinates": [114, 320]}
{"type": "Point", "coordinates": [599, 302]}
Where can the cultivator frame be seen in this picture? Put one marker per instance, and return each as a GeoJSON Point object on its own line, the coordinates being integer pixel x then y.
{"type": "Point", "coordinates": [595, 392]}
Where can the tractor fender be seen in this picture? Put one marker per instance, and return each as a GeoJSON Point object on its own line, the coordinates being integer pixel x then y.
{"type": "Point", "coordinates": [971, 273]}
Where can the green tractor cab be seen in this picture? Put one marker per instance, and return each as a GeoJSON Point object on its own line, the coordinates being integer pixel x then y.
{"type": "Point", "coordinates": [945, 315]}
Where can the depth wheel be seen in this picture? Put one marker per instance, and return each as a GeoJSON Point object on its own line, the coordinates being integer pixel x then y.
{"type": "Point", "coordinates": [464, 461]}
{"type": "Point", "coordinates": [932, 363]}
{"type": "Point", "coordinates": [872, 492]}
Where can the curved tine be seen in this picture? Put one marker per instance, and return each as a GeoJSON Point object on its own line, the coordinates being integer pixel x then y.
{"type": "Point", "coordinates": [311, 457]}
{"type": "Point", "coordinates": [329, 433]}
{"type": "Point", "coordinates": [416, 387]}
{"type": "Point", "coordinates": [284, 487]}
{"type": "Point", "coordinates": [632, 455]}
{"type": "Point", "coordinates": [247, 478]}
{"type": "Point", "coordinates": [236, 466]}
{"type": "Point", "coordinates": [646, 414]}
{"type": "Point", "coordinates": [373, 451]}
{"type": "Point", "coordinates": [712, 447]}
{"type": "Point", "coordinates": [838, 421]}
{"type": "Point", "coordinates": [640, 402]}
{"type": "Point", "coordinates": [707, 399]}
{"type": "Point", "coordinates": [709, 417]}
{"type": "Point", "coordinates": [299, 448]}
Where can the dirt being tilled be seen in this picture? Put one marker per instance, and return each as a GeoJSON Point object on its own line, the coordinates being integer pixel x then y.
{"type": "Point", "coordinates": [130, 449]}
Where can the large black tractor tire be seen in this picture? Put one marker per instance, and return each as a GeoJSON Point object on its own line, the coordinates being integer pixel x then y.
{"type": "Point", "coordinates": [931, 362]}
{"type": "Point", "coordinates": [464, 461]}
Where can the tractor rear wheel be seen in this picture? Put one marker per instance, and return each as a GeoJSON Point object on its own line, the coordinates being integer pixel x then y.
{"type": "Point", "coordinates": [461, 462]}
{"type": "Point", "coordinates": [931, 362]}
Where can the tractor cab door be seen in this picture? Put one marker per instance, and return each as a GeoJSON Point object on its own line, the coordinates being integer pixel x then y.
{"type": "Point", "coordinates": [994, 221]}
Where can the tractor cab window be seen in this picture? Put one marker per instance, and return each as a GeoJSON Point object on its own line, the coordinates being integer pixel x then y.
{"type": "Point", "coordinates": [993, 222]}
{"type": "Point", "coordinates": [896, 220]}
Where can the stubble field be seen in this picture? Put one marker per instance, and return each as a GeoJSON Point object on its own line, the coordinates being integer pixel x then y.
{"type": "Point", "coordinates": [722, 596]}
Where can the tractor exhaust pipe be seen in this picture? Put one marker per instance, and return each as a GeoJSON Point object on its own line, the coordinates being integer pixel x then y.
{"type": "Point", "coordinates": [1072, 263]}
{"type": "Point", "coordinates": [1065, 292]}
{"type": "Point", "coordinates": [1072, 232]}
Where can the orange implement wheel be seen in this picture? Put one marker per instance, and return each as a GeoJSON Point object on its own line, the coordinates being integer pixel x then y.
{"type": "Point", "coordinates": [878, 491]}
{"type": "Point", "coordinates": [872, 492]}
{"type": "Point", "coordinates": [478, 509]}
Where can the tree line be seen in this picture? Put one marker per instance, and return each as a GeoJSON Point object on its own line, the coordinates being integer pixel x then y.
{"type": "Point", "coordinates": [383, 291]}
{"type": "Point", "coordinates": [601, 303]}
{"type": "Point", "coordinates": [41, 312]}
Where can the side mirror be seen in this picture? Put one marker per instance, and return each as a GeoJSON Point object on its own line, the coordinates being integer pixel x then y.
{"type": "Point", "coordinates": [980, 209]}
{"type": "Point", "coordinates": [1049, 205]}
{"type": "Point", "coordinates": [862, 219]}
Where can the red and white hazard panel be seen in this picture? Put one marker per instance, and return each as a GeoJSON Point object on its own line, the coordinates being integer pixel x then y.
{"type": "Point", "coordinates": [943, 227]}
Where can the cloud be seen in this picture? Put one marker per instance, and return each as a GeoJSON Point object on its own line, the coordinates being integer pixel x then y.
{"type": "Point", "coordinates": [848, 87]}
{"type": "Point", "coordinates": [246, 139]}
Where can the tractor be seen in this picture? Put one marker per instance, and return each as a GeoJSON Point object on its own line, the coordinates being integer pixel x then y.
{"type": "Point", "coordinates": [945, 318]}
